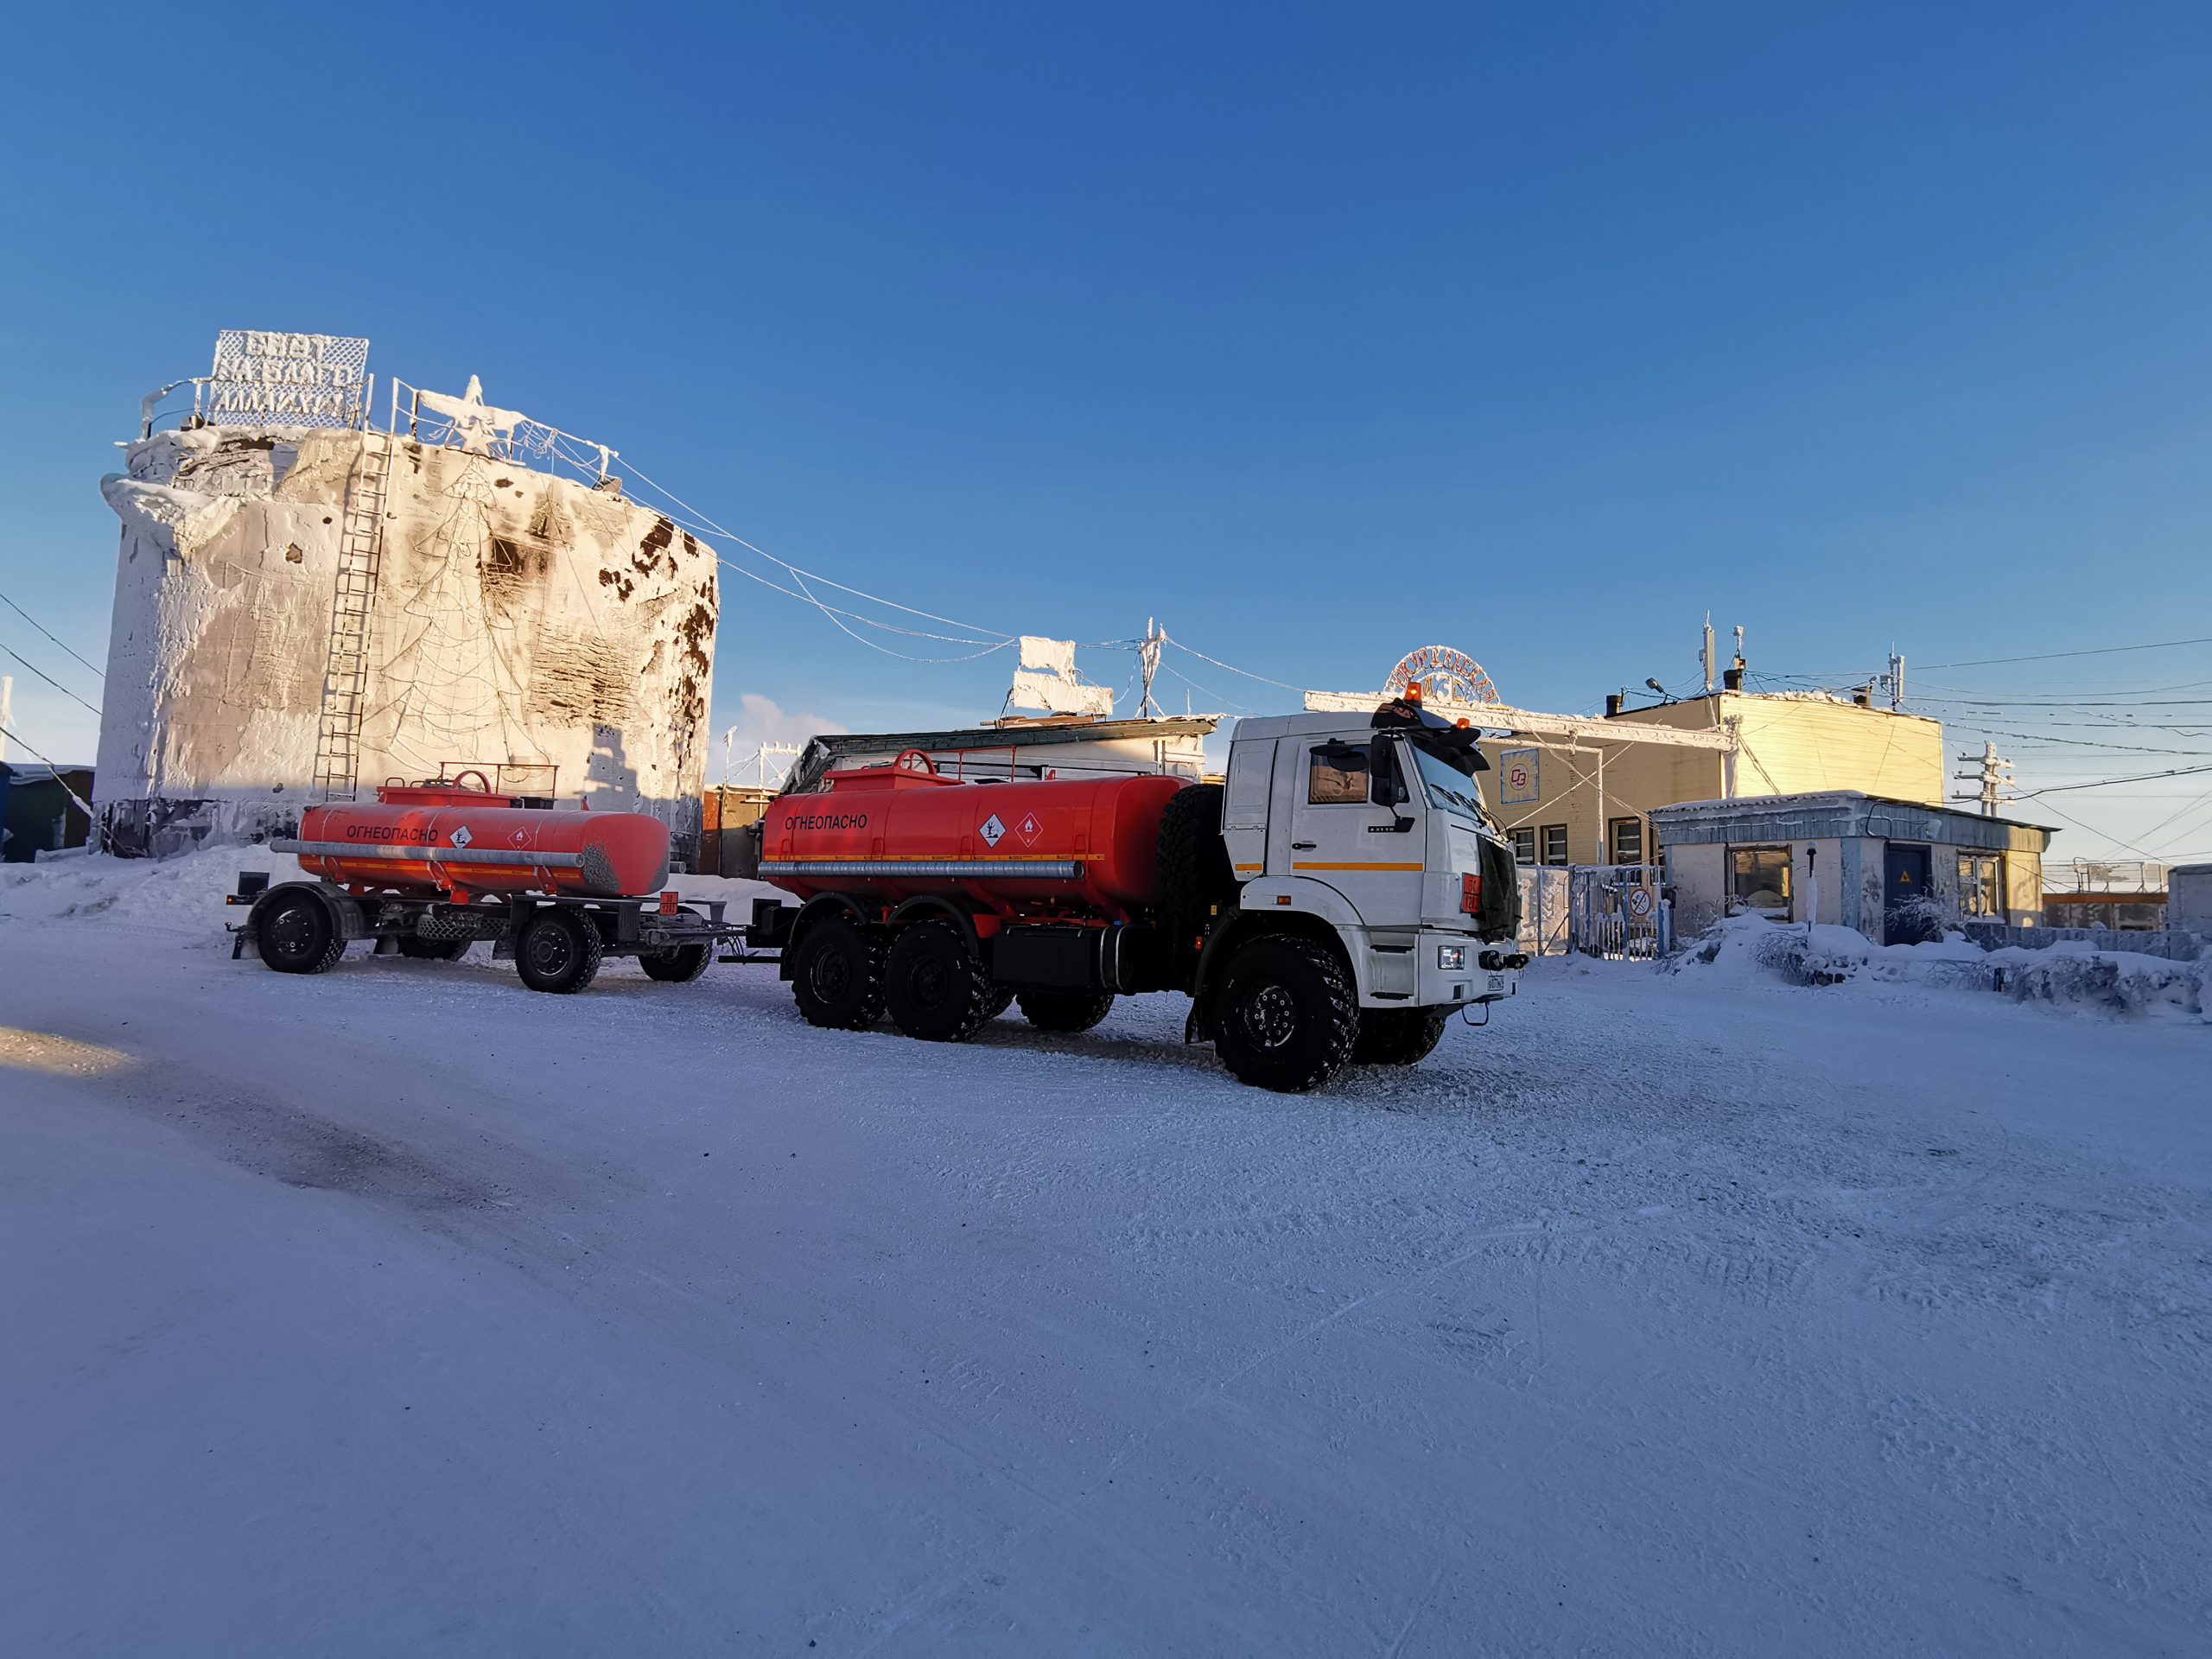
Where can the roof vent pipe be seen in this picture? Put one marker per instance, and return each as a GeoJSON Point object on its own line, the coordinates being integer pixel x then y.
{"type": "Point", "coordinates": [1613, 701]}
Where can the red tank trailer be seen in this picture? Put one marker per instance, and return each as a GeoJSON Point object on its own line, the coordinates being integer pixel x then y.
{"type": "Point", "coordinates": [440, 838]}
{"type": "Point", "coordinates": [431, 869]}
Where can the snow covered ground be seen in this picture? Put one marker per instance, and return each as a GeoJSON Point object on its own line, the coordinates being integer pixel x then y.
{"type": "Point", "coordinates": [402, 1311]}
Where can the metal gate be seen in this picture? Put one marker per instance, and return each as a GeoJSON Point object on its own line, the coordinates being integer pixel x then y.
{"type": "Point", "coordinates": [1544, 909]}
{"type": "Point", "coordinates": [1619, 911]}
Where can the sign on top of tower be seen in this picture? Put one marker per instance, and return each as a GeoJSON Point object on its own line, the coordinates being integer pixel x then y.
{"type": "Point", "coordinates": [261, 379]}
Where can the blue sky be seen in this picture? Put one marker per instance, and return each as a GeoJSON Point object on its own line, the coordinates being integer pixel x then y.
{"type": "Point", "coordinates": [1322, 333]}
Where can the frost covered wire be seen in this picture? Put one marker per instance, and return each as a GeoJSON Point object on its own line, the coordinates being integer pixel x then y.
{"type": "Point", "coordinates": [34, 621]}
{"type": "Point", "coordinates": [51, 681]}
{"type": "Point", "coordinates": [1231, 667]}
{"type": "Point", "coordinates": [996, 640]}
{"type": "Point", "coordinates": [2102, 782]}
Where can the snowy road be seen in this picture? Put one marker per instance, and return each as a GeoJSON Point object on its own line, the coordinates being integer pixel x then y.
{"type": "Point", "coordinates": [402, 1311]}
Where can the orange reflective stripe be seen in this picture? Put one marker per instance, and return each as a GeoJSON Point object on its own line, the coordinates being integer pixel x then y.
{"type": "Point", "coordinates": [1296, 866]}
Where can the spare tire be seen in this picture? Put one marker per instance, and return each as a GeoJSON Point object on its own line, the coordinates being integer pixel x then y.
{"type": "Point", "coordinates": [1194, 869]}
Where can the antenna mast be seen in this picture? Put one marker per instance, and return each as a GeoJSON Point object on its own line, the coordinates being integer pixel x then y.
{"type": "Point", "coordinates": [1148, 655]}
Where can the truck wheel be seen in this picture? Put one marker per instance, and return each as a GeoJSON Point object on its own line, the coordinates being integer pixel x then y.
{"type": "Point", "coordinates": [1398, 1036]}
{"type": "Point", "coordinates": [837, 976]}
{"type": "Point", "coordinates": [1001, 1000]}
{"type": "Point", "coordinates": [557, 952]}
{"type": "Point", "coordinates": [1286, 1014]}
{"type": "Point", "coordinates": [936, 986]}
{"type": "Point", "coordinates": [1194, 871]}
{"type": "Point", "coordinates": [298, 935]}
{"type": "Point", "coordinates": [420, 949]}
{"type": "Point", "coordinates": [1065, 1010]}
{"type": "Point", "coordinates": [679, 964]}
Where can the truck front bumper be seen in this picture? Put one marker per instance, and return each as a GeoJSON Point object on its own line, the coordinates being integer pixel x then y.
{"type": "Point", "coordinates": [1457, 970]}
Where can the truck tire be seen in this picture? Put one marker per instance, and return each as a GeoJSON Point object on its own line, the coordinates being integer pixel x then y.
{"type": "Point", "coordinates": [1286, 1014]}
{"type": "Point", "coordinates": [1001, 1000]}
{"type": "Point", "coordinates": [557, 952]}
{"type": "Point", "coordinates": [1065, 1010]}
{"type": "Point", "coordinates": [1398, 1036]}
{"type": "Point", "coordinates": [679, 964]}
{"type": "Point", "coordinates": [837, 976]}
{"type": "Point", "coordinates": [420, 949]}
{"type": "Point", "coordinates": [297, 934]}
{"type": "Point", "coordinates": [936, 987]}
{"type": "Point", "coordinates": [1194, 870]}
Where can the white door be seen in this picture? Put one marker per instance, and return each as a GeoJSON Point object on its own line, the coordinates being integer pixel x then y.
{"type": "Point", "coordinates": [1337, 821]}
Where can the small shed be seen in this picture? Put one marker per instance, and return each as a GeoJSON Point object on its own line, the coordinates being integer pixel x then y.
{"type": "Point", "coordinates": [42, 808]}
{"type": "Point", "coordinates": [1896, 871]}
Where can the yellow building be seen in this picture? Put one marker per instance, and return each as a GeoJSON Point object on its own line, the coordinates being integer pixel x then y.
{"type": "Point", "coordinates": [1569, 801]}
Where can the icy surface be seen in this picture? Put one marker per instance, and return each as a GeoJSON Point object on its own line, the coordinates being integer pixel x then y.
{"type": "Point", "coordinates": [402, 1311]}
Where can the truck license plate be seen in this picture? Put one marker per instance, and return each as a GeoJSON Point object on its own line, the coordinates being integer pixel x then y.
{"type": "Point", "coordinates": [1497, 983]}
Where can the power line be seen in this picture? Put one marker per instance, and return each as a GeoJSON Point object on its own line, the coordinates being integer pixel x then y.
{"type": "Point", "coordinates": [2052, 655]}
{"type": "Point", "coordinates": [34, 621]}
{"type": "Point", "coordinates": [51, 681]}
{"type": "Point", "coordinates": [1232, 667]}
{"type": "Point", "coordinates": [2100, 783]}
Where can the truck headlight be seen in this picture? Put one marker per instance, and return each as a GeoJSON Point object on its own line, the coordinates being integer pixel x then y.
{"type": "Point", "coordinates": [1451, 958]}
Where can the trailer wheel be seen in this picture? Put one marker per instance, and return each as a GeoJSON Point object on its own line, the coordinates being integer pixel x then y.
{"type": "Point", "coordinates": [1287, 1015]}
{"type": "Point", "coordinates": [1065, 1010]}
{"type": "Point", "coordinates": [936, 987]}
{"type": "Point", "coordinates": [420, 949]}
{"type": "Point", "coordinates": [559, 951]}
{"type": "Point", "coordinates": [837, 976]}
{"type": "Point", "coordinates": [1194, 869]}
{"type": "Point", "coordinates": [1398, 1036]}
{"type": "Point", "coordinates": [679, 964]}
{"type": "Point", "coordinates": [298, 935]}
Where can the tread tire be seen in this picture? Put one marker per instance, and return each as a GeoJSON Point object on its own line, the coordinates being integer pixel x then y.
{"type": "Point", "coordinates": [1398, 1036]}
{"type": "Point", "coordinates": [1194, 869]}
{"type": "Point", "coordinates": [1001, 1000]}
{"type": "Point", "coordinates": [1286, 1014]}
{"type": "Point", "coordinates": [557, 952]}
{"type": "Point", "coordinates": [1068, 1011]}
{"type": "Point", "coordinates": [936, 989]}
{"type": "Point", "coordinates": [680, 965]}
{"type": "Point", "coordinates": [837, 976]}
{"type": "Point", "coordinates": [298, 935]}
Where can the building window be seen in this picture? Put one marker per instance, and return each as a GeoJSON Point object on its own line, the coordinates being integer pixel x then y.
{"type": "Point", "coordinates": [1625, 840]}
{"type": "Point", "coordinates": [1758, 881]}
{"type": "Point", "coordinates": [1555, 835]}
{"type": "Point", "coordinates": [1982, 885]}
{"type": "Point", "coordinates": [1336, 775]}
{"type": "Point", "coordinates": [1524, 846]}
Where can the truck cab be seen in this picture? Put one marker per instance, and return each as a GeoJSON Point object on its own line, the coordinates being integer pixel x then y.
{"type": "Point", "coordinates": [1380, 833]}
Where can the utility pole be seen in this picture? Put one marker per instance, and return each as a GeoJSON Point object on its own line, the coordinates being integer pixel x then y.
{"type": "Point", "coordinates": [1148, 655]}
{"type": "Point", "coordinates": [1707, 658]}
{"type": "Point", "coordinates": [1994, 774]}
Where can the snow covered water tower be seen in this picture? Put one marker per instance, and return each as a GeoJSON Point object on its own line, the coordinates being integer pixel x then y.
{"type": "Point", "coordinates": [306, 606]}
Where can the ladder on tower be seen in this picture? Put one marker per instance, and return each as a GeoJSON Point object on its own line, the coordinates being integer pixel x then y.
{"type": "Point", "coordinates": [346, 673]}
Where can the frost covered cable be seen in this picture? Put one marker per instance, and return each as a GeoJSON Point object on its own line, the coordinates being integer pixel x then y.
{"type": "Point", "coordinates": [2080, 742]}
{"type": "Point", "coordinates": [1231, 667]}
{"type": "Point", "coordinates": [858, 593]}
{"type": "Point", "coordinates": [1226, 702]}
{"type": "Point", "coordinates": [34, 621]}
{"type": "Point", "coordinates": [2094, 830]}
{"type": "Point", "coordinates": [51, 681]}
{"type": "Point", "coordinates": [53, 767]}
{"type": "Point", "coordinates": [834, 612]}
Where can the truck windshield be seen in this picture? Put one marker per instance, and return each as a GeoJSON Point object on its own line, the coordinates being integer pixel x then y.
{"type": "Point", "coordinates": [1448, 789]}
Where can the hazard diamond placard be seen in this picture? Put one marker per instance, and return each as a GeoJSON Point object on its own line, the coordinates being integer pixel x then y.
{"type": "Point", "coordinates": [991, 831]}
